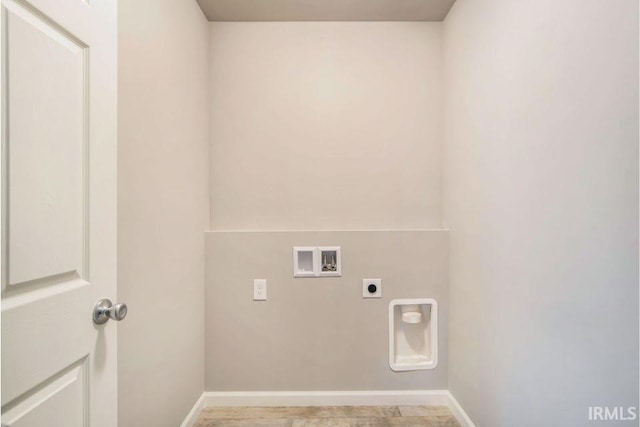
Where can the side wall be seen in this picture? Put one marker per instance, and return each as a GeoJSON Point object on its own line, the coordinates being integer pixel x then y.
{"type": "Point", "coordinates": [325, 125]}
{"type": "Point", "coordinates": [541, 185]}
{"type": "Point", "coordinates": [163, 208]}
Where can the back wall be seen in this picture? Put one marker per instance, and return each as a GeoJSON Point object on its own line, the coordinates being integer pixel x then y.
{"type": "Point", "coordinates": [318, 333]}
{"type": "Point", "coordinates": [325, 125]}
{"type": "Point", "coordinates": [322, 126]}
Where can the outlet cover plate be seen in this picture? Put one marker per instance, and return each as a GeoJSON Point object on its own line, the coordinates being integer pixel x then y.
{"type": "Point", "coordinates": [365, 288]}
{"type": "Point", "coordinates": [259, 289]}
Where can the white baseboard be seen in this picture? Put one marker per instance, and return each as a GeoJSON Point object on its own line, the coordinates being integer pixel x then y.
{"type": "Point", "coordinates": [326, 398]}
{"type": "Point", "coordinates": [192, 416]}
{"type": "Point", "coordinates": [458, 412]}
{"type": "Point", "coordinates": [329, 398]}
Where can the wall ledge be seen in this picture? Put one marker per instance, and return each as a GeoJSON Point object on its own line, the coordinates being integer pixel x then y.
{"type": "Point", "coordinates": [328, 398]}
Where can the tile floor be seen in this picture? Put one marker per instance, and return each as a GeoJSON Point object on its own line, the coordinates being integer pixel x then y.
{"type": "Point", "coordinates": [327, 416]}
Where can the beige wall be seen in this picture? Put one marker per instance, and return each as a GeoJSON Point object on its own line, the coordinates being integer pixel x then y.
{"type": "Point", "coordinates": [325, 125]}
{"type": "Point", "coordinates": [541, 137]}
{"type": "Point", "coordinates": [322, 126]}
{"type": "Point", "coordinates": [163, 205]}
{"type": "Point", "coordinates": [317, 333]}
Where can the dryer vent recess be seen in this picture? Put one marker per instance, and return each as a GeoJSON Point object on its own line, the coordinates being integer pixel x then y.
{"type": "Point", "coordinates": [413, 334]}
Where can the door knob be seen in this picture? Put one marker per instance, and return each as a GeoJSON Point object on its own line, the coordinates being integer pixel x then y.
{"type": "Point", "coordinates": [105, 310]}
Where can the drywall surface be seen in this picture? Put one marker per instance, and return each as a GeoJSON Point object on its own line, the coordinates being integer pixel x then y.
{"type": "Point", "coordinates": [317, 333]}
{"type": "Point", "coordinates": [541, 189]}
{"type": "Point", "coordinates": [325, 125]}
{"type": "Point", "coordinates": [163, 208]}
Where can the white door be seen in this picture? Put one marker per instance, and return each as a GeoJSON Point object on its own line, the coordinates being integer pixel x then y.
{"type": "Point", "coordinates": [58, 212]}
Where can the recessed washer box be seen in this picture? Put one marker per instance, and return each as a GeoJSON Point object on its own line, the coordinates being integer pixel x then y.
{"type": "Point", "coordinates": [317, 261]}
{"type": "Point", "coordinates": [304, 261]}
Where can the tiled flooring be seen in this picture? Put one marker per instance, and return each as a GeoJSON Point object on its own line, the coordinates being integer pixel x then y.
{"type": "Point", "coordinates": [327, 416]}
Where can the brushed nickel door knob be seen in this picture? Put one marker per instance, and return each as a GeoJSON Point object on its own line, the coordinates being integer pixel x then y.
{"type": "Point", "coordinates": [105, 310]}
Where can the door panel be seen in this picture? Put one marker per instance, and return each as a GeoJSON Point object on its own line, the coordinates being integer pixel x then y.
{"type": "Point", "coordinates": [59, 402]}
{"type": "Point", "coordinates": [58, 212]}
{"type": "Point", "coordinates": [46, 97]}
{"type": "Point", "coordinates": [35, 348]}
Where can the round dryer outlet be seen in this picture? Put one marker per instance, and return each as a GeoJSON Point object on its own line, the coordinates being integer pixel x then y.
{"type": "Point", "coordinates": [371, 288]}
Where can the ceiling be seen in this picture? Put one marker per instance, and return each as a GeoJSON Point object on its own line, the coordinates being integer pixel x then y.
{"type": "Point", "coordinates": [325, 10]}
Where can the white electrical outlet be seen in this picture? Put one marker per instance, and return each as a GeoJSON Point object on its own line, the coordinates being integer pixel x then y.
{"type": "Point", "coordinates": [259, 289]}
{"type": "Point", "coordinates": [371, 288]}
